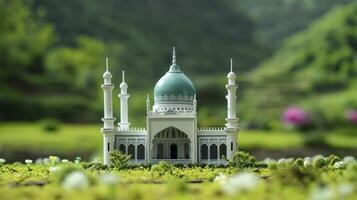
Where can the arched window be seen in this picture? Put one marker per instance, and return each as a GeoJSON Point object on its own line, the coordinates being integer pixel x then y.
{"type": "Point", "coordinates": [187, 151]}
{"type": "Point", "coordinates": [131, 151]}
{"type": "Point", "coordinates": [141, 152]}
{"type": "Point", "coordinates": [213, 152]}
{"type": "Point", "coordinates": [160, 151]}
{"type": "Point", "coordinates": [173, 151]}
{"type": "Point", "coordinates": [122, 148]}
{"type": "Point", "coordinates": [222, 150]}
{"type": "Point", "coordinates": [204, 152]}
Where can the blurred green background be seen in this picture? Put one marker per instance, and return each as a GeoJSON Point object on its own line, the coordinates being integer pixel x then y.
{"type": "Point", "coordinates": [286, 53]}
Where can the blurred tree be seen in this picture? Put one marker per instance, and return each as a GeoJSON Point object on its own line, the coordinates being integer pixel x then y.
{"type": "Point", "coordinates": [78, 67]}
{"type": "Point", "coordinates": [24, 38]}
{"type": "Point", "coordinates": [278, 19]}
{"type": "Point", "coordinates": [206, 32]}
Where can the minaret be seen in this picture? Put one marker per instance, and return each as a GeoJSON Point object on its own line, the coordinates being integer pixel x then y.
{"type": "Point", "coordinates": [147, 103]}
{"type": "Point", "coordinates": [124, 96]}
{"type": "Point", "coordinates": [108, 105]}
{"type": "Point", "coordinates": [107, 130]}
{"type": "Point", "coordinates": [232, 120]}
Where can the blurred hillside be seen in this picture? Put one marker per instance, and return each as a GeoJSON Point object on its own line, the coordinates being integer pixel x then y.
{"type": "Point", "coordinates": [52, 55]}
{"type": "Point", "coordinates": [315, 68]}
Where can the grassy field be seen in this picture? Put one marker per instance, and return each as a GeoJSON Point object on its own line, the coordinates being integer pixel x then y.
{"type": "Point", "coordinates": [72, 139]}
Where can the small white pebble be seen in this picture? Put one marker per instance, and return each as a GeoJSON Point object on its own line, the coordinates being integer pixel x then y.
{"type": "Point", "coordinates": [54, 169]}
{"type": "Point", "coordinates": [75, 180]}
{"type": "Point", "coordinates": [28, 161]}
{"type": "Point", "coordinates": [2, 161]}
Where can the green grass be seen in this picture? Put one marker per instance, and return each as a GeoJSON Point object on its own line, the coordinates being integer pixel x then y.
{"type": "Point", "coordinates": [74, 138]}
{"type": "Point", "coordinates": [32, 137]}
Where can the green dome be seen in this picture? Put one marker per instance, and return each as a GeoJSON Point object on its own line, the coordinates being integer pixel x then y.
{"type": "Point", "coordinates": [174, 86]}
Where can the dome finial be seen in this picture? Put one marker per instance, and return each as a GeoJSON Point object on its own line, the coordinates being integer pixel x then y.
{"type": "Point", "coordinates": [106, 63]}
{"type": "Point", "coordinates": [173, 55]}
{"type": "Point", "coordinates": [231, 65]}
{"type": "Point", "coordinates": [123, 75]}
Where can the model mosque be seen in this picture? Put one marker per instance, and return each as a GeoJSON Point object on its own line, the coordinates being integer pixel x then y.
{"type": "Point", "coordinates": [171, 132]}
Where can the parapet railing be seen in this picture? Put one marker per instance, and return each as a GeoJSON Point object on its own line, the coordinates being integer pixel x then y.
{"type": "Point", "coordinates": [211, 128]}
{"type": "Point", "coordinates": [132, 129]}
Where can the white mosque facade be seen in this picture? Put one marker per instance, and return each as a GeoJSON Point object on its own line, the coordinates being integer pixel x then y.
{"type": "Point", "coordinates": [171, 132]}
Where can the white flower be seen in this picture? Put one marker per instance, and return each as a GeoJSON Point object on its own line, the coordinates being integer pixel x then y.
{"type": "Point", "coordinates": [221, 178]}
{"type": "Point", "coordinates": [54, 169]}
{"type": "Point", "coordinates": [75, 180]}
{"type": "Point", "coordinates": [268, 161]}
{"type": "Point", "coordinates": [64, 161]}
{"type": "Point", "coordinates": [339, 164]}
{"type": "Point", "coordinates": [28, 161]}
{"type": "Point", "coordinates": [241, 182]}
{"type": "Point", "coordinates": [307, 161]}
{"type": "Point", "coordinates": [345, 189]}
{"type": "Point", "coordinates": [349, 159]}
{"type": "Point", "coordinates": [322, 193]}
{"type": "Point", "coordinates": [281, 160]}
{"type": "Point", "coordinates": [109, 179]}
{"type": "Point", "coordinates": [2, 161]}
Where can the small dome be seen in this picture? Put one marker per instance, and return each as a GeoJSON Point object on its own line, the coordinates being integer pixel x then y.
{"type": "Point", "coordinates": [107, 74]}
{"type": "Point", "coordinates": [123, 85]}
{"type": "Point", "coordinates": [231, 75]}
{"type": "Point", "coordinates": [174, 86]}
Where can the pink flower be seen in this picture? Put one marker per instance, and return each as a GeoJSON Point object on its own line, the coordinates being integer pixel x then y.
{"type": "Point", "coordinates": [352, 116]}
{"type": "Point", "coordinates": [295, 116]}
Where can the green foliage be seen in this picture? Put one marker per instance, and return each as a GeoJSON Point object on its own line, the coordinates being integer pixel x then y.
{"type": "Point", "coordinates": [20, 181]}
{"type": "Point", "coordinates": [50, 125]}
{"type": "Point", "coordinates": [161, 168]}
{"type": "Point", "coordinates": [315, 140]}
{"type": "Point", "coordinates": [118, 159]}
{"type": "Point", "coordinates": [315, 68]}
{"type": "Point", "coordinates": [198, 29]}
{"type": "Point", "coordinates": [243, 159]}
{"type": "Point", "coordinates": [268, 15]}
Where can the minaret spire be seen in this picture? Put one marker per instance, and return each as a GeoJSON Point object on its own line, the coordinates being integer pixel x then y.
{"type": "Point", "coordinates": [231, 65]}
{"type": "Point", "coordinates": [173, 56]}
{"type": "Point", "coordinates": [123, 75]}
{"type": "Point", "coordinates": [107, 64]}
{"type": "Point", "coordinates": [147, 103]}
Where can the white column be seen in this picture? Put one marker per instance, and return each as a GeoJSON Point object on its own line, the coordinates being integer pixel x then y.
{"type": "Point", "coordinates": [124, 96]}
{"type": "Point", "coordinates": [231, 142]}
{"type": "Point", "coordinates": [108, 146]}
{"type": "Point", "coordinates": [108, 119]}
{"type": "Point", "coordinates": [232, 121]}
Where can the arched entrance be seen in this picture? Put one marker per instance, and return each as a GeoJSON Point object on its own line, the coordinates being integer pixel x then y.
{"type": "Point", "coordinates": [171, 145]}
{"type": "Point", "coordinates": [173, 151]}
